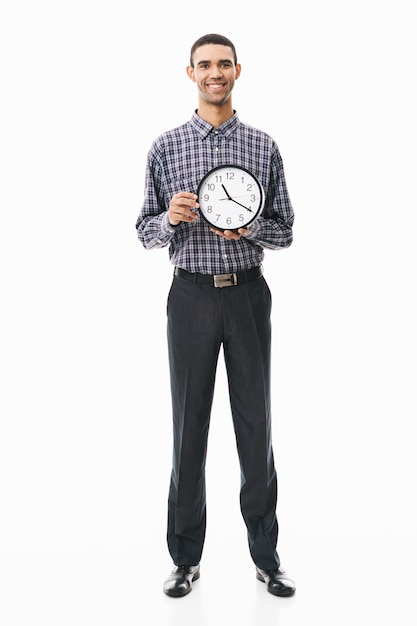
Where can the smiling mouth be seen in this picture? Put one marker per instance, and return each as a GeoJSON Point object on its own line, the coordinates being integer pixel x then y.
{"type": "Point", "coordinates": [215, 86]}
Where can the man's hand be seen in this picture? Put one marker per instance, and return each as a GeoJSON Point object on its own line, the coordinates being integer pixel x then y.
{"type": "Point", "coordinates": [181, 208]}
{"type": "Point", "coordinates": [230, 234]}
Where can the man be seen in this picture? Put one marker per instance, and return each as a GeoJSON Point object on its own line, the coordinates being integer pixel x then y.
{"type": "Point", "coordinates": [203, 317]}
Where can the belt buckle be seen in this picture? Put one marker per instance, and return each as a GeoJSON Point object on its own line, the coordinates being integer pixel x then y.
{"type": "Point", "coordinates": [225, 280]}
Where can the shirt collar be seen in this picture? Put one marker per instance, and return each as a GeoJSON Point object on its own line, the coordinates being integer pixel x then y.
{"type": "Point", "coordinates": [204, 128]}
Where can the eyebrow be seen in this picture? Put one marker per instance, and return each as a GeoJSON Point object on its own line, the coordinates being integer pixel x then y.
{"type": "Point", "coordinates": [220, 61]}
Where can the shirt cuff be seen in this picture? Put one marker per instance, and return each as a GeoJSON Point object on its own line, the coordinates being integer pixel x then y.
{"type": "Point", "coordinates": [167, 229]}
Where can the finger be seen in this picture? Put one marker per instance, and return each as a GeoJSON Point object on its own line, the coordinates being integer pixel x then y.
{"type": "Point", "coordinates": [185, 198]}
{"type": "Point", "coordinates": [187, 214]}
{"type": "Point", "coordinates": [230, 234]}
{"type": "Point", "coordinates": [227, 234]}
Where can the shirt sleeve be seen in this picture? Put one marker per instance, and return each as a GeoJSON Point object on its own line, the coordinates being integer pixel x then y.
{"type": "Point", "coordinates": [153, 227]}
{"type": "Point", "coordinates": [273, 229]}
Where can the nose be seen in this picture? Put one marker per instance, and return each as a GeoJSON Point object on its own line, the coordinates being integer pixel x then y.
{"type": "Point", "coordinates": [216, 71]}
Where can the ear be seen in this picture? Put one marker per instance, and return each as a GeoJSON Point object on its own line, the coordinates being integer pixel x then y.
{"type": "Point", "coordinates": [238, 70]}
{"type": "Point", "coordinates": [190, 72]}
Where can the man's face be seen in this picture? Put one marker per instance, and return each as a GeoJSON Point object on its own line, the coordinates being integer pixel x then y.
{"type": "Point", "coordinates": [214, 72]}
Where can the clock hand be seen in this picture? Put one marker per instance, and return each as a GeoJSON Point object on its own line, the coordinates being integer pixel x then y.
{"type": "Point", "coordinates": [245, 207]}
{"type": "Point", "coordinates": [227, 193]}
{"type": "Point", "coordinates": [229, 197]}
{"type": "Point", "coordinates": [245, 195]}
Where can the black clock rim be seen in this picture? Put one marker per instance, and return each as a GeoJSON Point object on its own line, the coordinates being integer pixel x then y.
{"type": "Point", "coordinates": [244, 169]}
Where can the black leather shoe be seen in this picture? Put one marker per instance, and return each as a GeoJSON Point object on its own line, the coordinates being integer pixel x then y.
{"type": "Point", "coordinates": [277, 581]}
{"type": "Point", "coordinates": [180, 582]}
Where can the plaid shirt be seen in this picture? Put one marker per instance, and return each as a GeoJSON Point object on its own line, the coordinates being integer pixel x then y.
{"type": "Point", "coordinates": [177, 160]}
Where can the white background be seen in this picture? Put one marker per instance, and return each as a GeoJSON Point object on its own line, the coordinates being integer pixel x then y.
{"type": "Point", "coordinates": [85, 438]}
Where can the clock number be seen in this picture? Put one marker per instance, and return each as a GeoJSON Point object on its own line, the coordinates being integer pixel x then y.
{"type": "Point", "coordinates": [230, 175]}
{"type": "Point", "coordinates": [241, 218]}
{"type": "Point", "coordinates": [209, 209]}
{"type": "Point", "coordinates": [228, 221]}
{"type": "Point", "coordinates": [249, 187]}
{"type": "Point", "coordinates": [253, 198]}
{"type": "Point", "coordinates": [211, 186]}
{"type": "Point", "coordinates": [217, 217]}
{"type": "Point", "coordinates": [218, 179]}
{"type": "Point", "coordinates": [206, 197]}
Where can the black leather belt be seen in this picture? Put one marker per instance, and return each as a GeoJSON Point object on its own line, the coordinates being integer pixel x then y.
{"type": "Point", "coordinates": [220, 280]}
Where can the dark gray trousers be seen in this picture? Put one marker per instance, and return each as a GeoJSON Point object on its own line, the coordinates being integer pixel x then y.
{"type": "Point", "coordinates": [201, 318]}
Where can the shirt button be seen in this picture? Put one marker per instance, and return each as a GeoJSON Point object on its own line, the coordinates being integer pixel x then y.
{"type": "Point", "coordinates": [225, 256]}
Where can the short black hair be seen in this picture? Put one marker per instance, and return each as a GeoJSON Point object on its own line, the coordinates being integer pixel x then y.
{"type": "Point", "coordinates": [212, 38]}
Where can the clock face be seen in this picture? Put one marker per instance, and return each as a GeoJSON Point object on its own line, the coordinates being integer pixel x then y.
{"type": "Point", "coordinates": [230, 197]}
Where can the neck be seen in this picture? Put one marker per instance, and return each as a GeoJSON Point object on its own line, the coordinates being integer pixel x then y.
{"type": "Point", "coordinates": [215, 115]}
